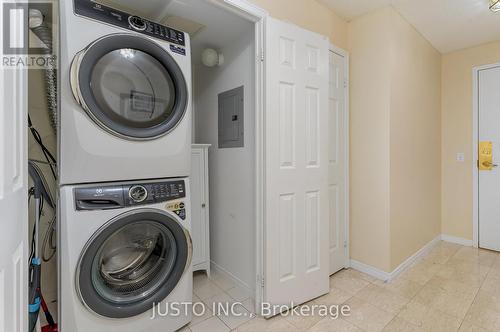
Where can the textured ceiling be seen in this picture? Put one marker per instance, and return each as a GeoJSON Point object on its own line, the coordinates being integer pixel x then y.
{"type": "Point", "coordinates": [448, 24]}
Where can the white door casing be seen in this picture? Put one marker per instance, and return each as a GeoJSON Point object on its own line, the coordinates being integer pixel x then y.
{"type": "Point", "coordinates": [338, 162]}
{"type": "Point", "coordinates": [13, 196]}
{"type": "Point", "coordinates": [489, 181]}
{"type": "Point", "coordinates": [296, 151]}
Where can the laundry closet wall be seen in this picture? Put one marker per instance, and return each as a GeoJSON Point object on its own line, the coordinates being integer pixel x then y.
{"type": "Point", "coordinates": [232, 171]}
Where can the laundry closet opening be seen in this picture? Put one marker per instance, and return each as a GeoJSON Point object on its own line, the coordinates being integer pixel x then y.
{"type": "Point", "coordinates": [223, 174]}
{"type": "Point", "coordinates": [223, 62]}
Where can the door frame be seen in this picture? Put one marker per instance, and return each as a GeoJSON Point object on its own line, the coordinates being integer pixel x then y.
{"type": "Point", "coordinates": [347, 244]}
{"type": "Point", "coordinates": [253, 13]}
{"type": "Point", "coordinates": [475, 143]}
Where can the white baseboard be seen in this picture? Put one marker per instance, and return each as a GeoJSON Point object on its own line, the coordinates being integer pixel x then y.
{"type": "Point", "coordinates": [370, 270]}
{"type": "Point", "coordinates": [456, 240]}
{"type": "Point", "coordinates": [415, 257]}
{"type": "Point", "coordinates": [387, 276]}
{"type": "Point", "coordinates": [237, 281]}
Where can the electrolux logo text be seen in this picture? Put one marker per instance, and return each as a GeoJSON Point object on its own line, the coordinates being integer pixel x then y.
{"type": "Point", "coordinates": [28, 35]}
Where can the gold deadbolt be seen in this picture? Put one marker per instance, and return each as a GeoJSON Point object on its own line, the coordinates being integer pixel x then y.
{"type": "Point", "coordinates": [485, 162]}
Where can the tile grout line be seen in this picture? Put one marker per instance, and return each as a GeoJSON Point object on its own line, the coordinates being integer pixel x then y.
{"type": "Point", "coordinates": [477, 293]}
{"type": "Point", "coordinates": [369, 283]}
{"type": "Point", "coordinates": [226, 292]}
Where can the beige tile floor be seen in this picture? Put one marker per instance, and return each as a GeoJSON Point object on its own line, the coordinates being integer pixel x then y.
{"type": "Point", "coordinates": [453, 288]}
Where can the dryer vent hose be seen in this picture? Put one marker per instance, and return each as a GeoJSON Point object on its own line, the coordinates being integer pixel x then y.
{"type": "Point", "coordinates": [44, 33]}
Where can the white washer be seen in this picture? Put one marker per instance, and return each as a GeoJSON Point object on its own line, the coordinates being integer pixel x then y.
{"type": "Point", "coordinates": [124, 247]}
{"type": "Point", "coordinates": [125, 96]}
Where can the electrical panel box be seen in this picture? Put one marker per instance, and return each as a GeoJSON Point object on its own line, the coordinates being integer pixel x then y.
{"type": "Point", "coordinates": [231, 124]}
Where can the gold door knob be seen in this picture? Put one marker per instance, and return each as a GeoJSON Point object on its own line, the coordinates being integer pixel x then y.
{"type": "Point", "coordinates": [489, 164]}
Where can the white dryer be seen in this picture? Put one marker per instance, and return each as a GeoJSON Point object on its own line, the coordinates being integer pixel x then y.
{"type": "Point", "coordinates": [124, 247]}
{"type": "Point", "coordinates": [125, 96]}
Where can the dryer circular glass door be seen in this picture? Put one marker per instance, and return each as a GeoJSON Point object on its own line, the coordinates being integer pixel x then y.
{"type": "Point", "coordinates": [132, 263]}
{"type": "Point", "coordinates": [130, 86]}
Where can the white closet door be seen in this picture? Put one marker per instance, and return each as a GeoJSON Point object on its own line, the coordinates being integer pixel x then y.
{"type": "Point", "coordinates": [337, 162]}
{"type": "Point", "coordinates": [296, 211]}
{"type": "Point", "coordinates": [13, 193]}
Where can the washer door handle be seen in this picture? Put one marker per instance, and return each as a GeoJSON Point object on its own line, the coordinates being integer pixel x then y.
{"type": "Point", "coordinates": [74, 79]}
{"type": "Point", "coordinates": [189, 249]}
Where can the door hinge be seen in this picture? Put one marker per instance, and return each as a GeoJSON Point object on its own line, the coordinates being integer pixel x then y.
{"type": "Point", "coordinates": [345, 84]}
{"type": "Point", "coordinates": [262, 282]}
{"type": "Point", "coordinates": [262, 55]}
{"type": "Point", "coordinates": [345, 244]}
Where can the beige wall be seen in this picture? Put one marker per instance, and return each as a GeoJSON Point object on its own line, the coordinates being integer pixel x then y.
{"type": "Point", "coordinates": [310, 15]}
{"type": "Point", "coordinates": [370, 85]}
{"type": "Point", "coordinates": [457, 135]}
{"type": "Point", "coordinates": [395, 140]}
{"type": "Point", "coordinates": [415, 142]}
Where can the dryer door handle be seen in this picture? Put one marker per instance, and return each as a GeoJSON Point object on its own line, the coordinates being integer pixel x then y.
{"type": "Point", "coordinates": [97, 204]}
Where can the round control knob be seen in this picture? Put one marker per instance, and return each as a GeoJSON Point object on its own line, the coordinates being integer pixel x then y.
{"type": "Point", "coordinates": [137, 23]}
{"type": "Point", "coordinates": [138, 193]}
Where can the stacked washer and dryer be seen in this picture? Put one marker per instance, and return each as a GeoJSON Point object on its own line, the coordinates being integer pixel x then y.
{"type": "Point", "coordinates": [124, 158]}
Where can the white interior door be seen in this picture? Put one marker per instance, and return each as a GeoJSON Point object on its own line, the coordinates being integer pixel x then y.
{"type": "Point", "coordinates": [13, 198]}
{"type": "Point", "coordinates": [296, 212]}
{"type": "Point", "coordinates": [489, 180]}
{"type": "Point", "coordinates": [337, 162]}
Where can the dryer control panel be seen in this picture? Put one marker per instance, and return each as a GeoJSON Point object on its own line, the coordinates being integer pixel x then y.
{"type": "Point", "coordinates": [105, 14]}
{"type": "Point", "coordinates": [107, 197]}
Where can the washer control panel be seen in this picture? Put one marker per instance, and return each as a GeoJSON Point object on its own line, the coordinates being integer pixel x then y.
{"type": "Point", "coordinates": [107, 197]}
{"type": "Point", "coordinates": [105, 14]}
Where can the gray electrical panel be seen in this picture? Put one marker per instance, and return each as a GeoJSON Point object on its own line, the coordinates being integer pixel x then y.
{"type": "Point", "coordinates": [231, 118]}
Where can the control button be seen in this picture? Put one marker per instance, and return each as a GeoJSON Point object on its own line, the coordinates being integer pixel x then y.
{"type": "Point", "coordinates": [137, 23]}
{"type": "Point", "coordinates": [138, 193]}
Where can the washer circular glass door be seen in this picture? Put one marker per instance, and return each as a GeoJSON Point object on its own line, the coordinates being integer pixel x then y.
{"type": "Point", "coordinates": [130, 86]}
{"type": "Point", "coordinates": [132, 263]}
